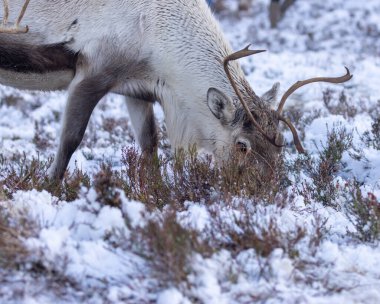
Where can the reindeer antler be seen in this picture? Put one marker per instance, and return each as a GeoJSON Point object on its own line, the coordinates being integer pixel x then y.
{"type": "Point", "coordinates": [247, 52]}
{"type": "Point", "coordinates": [298, 85]}
{"type": "Point", "coordinates": [16, 28]}
{"type": "Point", "coordinates": [240, 54]}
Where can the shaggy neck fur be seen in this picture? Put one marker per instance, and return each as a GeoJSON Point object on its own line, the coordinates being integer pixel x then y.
{"type": "Point", "coordinates": [190, 54]}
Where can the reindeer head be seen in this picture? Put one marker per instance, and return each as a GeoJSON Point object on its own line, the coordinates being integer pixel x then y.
{"type": "Point", "coordinates": [253, 126]}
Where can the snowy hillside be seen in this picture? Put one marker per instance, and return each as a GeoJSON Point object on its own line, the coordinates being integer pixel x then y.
{"type": "Point", "coordinates": [118, 231]}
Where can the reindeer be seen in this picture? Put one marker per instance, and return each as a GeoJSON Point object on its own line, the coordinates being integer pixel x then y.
{"type": "Point", "coordinates": [173, 52]}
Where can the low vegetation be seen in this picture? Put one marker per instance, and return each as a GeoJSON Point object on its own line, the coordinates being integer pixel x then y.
{"type": "Point", "coordinates": [364, 211]}
{"type": "Point", "coordinates": [324, 168]}
{"type": "Point", "coordinates": [165, 183]}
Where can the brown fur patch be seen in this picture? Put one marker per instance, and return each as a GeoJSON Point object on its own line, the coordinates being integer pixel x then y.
{"type": "Point", "coordinates": [36, 59]}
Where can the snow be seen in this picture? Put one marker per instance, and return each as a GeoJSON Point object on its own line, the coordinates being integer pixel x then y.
{"type": "Point", "coordinates": [172, 296]}
{"type": "Point", "coordinates": [75, 239]}
{"type": "Point", "coordinates": [196, 216]}
{"type": "Point", "coordinates": [134, 211]}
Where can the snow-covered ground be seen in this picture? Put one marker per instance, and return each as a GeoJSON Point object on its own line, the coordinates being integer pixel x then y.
{"type": "Point", "coordinates": [75, 240]}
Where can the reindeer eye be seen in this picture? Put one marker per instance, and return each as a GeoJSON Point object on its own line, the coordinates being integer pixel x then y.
{"type": "Point", "coordinates": [242, 147]}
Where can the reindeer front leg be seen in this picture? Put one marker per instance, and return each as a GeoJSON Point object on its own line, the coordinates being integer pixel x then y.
{"type": "Point", "coordinates": [15, 28]}
{"type": "Point", "coordinates": [85, 91]}
{"type": "Point", "coordinates": [143, 123]}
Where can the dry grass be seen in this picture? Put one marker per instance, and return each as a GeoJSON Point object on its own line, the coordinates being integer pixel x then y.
{"type": "Point", "coordinates": [107, 183]}
{"type": "Point", "coordinates": [21, 266]}
{"type": "Point", "coordinates": [168, 248]}
{"type": "Point", "coordinates": [372, 138]}
{"type": "Point", "coordinates": [163, 180]}
{"type": "Point", "coordinates": [20, 173]}
{"type": "Point", "coordinates": [247, 229]}
{"type": "Point", "coordinates": [364, 212]}
{"type": "Point", "coordinates": [323, 169]}
{"type": "Point", "coordinates": [338, 104]}
{"type": "Point", "coordinates": [42, 139]}
{"type": "Point", "coordinates": [164, 183]}
{"type": "Point", "coordinates": [12, 234]}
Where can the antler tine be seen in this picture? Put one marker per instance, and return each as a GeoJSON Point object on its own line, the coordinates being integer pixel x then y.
{"type": "Point", "coordinates": [300, 84]}
{"type": "Point", "coordinates": [26, 3]}
{"type": "Point", "coordinates": [6, 12]}
{"type": "Point", "coordinates": [240, 54]}
{"type": "Point", "coordinates": [296, 139]}
{"type": "Point", "coordinates": [16, 28]}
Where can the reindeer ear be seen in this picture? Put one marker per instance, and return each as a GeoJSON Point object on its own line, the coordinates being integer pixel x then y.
{"type": "Point", "coordinates": [220, 105]}
{"type": "Point", "coordinates": [271, 95]}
